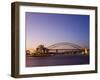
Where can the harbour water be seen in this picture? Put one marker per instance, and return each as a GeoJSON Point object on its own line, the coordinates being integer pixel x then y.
{"type": "Point", "coordinates": [57, 60]}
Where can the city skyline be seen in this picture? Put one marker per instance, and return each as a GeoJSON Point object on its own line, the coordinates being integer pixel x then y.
{"type": "Point", "coordinates": [48, 29]}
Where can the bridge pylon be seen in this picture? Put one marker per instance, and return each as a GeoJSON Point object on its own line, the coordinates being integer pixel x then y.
{"type": "Point", "coordinates": [85, 51]}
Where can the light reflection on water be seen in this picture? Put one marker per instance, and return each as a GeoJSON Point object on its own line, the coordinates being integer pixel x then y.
{"type": "Point", "coordinates": [57, 60]}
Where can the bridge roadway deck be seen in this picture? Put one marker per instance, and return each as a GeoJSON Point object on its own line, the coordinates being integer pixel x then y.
{"type": "Point", "coordinates": [64, 50]}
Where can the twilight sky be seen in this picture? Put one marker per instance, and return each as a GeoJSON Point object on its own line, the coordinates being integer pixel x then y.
{"type": "Point", "coordinates": [48, 29]}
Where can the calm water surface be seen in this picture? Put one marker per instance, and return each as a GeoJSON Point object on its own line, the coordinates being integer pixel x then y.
{"type": "Point", "coordinates": [57, 60]}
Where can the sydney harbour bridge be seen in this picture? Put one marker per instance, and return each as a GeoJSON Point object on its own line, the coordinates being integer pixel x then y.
{"type": "Point", "coordinates": [67, 48]}
{"type": "Point", "coordinates": [62, 48]}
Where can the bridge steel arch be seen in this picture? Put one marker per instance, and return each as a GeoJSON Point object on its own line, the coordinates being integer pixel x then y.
{"type": "Point", "coordinates": [64, 43]}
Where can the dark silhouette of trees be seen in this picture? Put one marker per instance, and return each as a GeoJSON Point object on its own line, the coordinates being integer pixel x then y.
{"type": "Point", "coordinates": [41, 49]}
